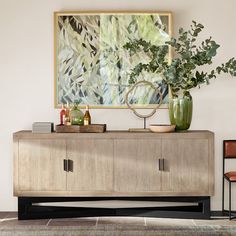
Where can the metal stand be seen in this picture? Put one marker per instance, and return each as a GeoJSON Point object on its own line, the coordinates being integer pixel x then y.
{"type": "Point", "coordinates": [27, 209]}
{"type": "Point", "coordinates": [157, 90]}
{"type": "Point", "coordinates": [230, 212]}
{"type": "Point", "coordinates": [144, 123]}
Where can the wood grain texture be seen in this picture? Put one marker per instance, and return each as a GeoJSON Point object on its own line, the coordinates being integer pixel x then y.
{"type": "Point", "coordinates": [105, 193]}
{"type": "Point", "coordinates": [186, 165]}
{"type": "Point", "coordinates": [114, 135]}
{"type": "Point", "coordinates": [211, 164]}
{"type": "Point", "coordinates": [94, 128]}
{"type": "Point", "coordinates": [93, 164]}
{"type": "Point", "coordinates": [15, 166]}
{"type": "Point", "coordinates": [114, 164]}
{"type": "Point", "coordinates": [40, 165]}
{"type": "Point", "coordinates": [136, 165]}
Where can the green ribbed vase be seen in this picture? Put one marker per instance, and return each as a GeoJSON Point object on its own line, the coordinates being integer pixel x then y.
{"type": "Point", "coordinates": [180, 112]}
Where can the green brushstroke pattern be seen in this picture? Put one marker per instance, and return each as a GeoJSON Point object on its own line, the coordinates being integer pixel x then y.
{"type": "Point", "coordinates": [93, 66]}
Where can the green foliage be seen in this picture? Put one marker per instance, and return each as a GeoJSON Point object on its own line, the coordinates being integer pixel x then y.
{"type": "Point", "coordinates": [184, 72]}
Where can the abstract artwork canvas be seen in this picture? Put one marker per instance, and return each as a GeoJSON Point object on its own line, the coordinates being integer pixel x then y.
{"type": "Point", "coordinates": [91, 65]}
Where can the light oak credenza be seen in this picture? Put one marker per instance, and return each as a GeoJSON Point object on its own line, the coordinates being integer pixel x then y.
{"type": "Point", "coordinates": [170, 167]}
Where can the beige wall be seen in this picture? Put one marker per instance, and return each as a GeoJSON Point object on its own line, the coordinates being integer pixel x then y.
{"type": "Point", "coordinates": [26, 73]}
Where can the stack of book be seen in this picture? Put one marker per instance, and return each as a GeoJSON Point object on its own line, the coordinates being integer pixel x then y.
{"type": "Point", "coordinates": [42, 127]}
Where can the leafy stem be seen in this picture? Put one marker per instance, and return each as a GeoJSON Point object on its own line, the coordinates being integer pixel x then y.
{"type": "Point", "coordinates": [184, 72]}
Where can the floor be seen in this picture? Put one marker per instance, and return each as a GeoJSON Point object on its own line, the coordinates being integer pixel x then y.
{"type": "Point", "coordinates": [10, 219]}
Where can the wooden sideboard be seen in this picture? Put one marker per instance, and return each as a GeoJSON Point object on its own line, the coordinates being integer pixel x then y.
{"type": "Point", "coordinates": [114, 164]}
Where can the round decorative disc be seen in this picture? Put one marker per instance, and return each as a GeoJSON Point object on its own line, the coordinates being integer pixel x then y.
{"type": "Point", "coordinates": [144, 82]}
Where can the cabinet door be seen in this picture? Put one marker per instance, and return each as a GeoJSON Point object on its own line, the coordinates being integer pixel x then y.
{"type": "Point", "coordinates": [92, 164]}
{"type": "Point", "coordinates": [136, 165]}
{"type": "Point", "coordinates": [186, 166]}
{"type": "Point", "coordinates": [40, 165]}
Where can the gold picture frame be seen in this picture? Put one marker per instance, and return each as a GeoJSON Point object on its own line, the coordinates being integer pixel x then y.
{"type": "Point", "coordinates": [90, 65]}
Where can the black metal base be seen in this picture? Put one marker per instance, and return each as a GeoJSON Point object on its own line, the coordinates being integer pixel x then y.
{"type": "Point", "coordinates": [231, 214]}
{"type": "Point", "coordinates": [27, 209]}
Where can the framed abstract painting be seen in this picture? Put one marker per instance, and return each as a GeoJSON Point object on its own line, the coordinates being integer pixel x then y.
{"type": "Point", "coordinates": [91, 65]}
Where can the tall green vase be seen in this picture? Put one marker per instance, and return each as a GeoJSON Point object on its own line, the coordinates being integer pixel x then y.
{"type": "Point", "coordinates": [180, 112]}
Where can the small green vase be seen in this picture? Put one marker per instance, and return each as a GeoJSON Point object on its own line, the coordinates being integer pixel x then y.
{"type": "Point", "coordinates": [180, 112]}
{"type": "Point", "coordinates": [76, 116]}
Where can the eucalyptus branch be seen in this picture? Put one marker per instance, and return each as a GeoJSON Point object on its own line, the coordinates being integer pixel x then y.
{"type": "Point", "coordinates": [184, 72]}
{"type": "Point", "coordinates": [157, 54]}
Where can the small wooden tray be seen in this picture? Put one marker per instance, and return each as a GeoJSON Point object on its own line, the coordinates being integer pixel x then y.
{"type": "Point", "coordinates": [94, 128]}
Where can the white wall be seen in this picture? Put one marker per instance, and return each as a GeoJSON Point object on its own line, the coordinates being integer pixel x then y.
{"type": "Point", "coordinates": [26, 73]}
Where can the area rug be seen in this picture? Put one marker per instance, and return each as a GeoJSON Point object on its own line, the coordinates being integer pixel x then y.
{"type": "Point", "coordinates": [118, 230]}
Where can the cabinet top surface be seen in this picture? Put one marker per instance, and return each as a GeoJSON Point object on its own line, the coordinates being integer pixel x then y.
{"type": "Point", "coordinates": [116, 134]}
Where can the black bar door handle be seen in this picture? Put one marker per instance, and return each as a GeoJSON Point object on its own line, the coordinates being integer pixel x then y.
{"type": "Point", "coordinates": [65, 165]}
{"type": "Point", "coordinates": [161, 164]}
{"type": "Point", "coordinates": [70, 165]}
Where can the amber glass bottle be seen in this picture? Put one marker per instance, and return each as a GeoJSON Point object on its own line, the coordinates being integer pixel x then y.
{"type": "Point", "coordinates": [87, 117]}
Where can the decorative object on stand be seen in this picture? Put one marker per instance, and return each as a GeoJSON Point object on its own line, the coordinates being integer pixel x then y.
{"type": "Point", "coordinates": [184, 72]}
{"type": "Point", "coordinates": [77, 122]}
{"type": "Point", "coordinates": [91, 65]}
{"type": "Point", "coordinates": [156, 93]}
